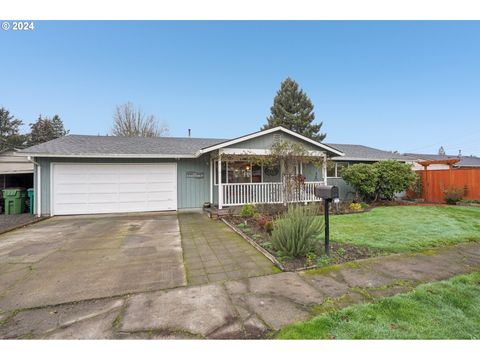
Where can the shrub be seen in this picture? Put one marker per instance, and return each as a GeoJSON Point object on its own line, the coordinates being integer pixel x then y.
{"type": "Point", "coordinates": [383, 178]}
{"type": "Point", "coordinates": [393, 177]}
{"type": "Point", "coordinates": [355, 206]}
{"type": "Point", "coordinates": [453, 194]}
{"type": "Point", "coordinates": [248, 211]}
{"type": "Point", "coordinates": [261, 221]}
{"type": "Point", "coordinates": [269, 226]}
{"type": "Point", "coordinates": [295, 232]}
{"type": "Point", "coordinates": [363, 178]}
{"type": "Point", "coordinates": [417, 187]}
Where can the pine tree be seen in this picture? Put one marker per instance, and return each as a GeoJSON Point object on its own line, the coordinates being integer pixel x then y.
{"type": "Point", "coordinates": [10, 137]}
{"type": "Point", "coordinates": [45, 129]}
{"type": "Point", "coordinates": [293, 110]}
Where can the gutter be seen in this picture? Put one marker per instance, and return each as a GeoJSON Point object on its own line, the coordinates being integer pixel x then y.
{"type": "Point", "coordinates": [37, 194]}
{"type": "Point", "coordinates": [111, 156]}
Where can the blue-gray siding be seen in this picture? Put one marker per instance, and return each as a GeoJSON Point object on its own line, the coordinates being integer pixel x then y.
{"type": "Point", "coordinates": [346, 192]}
{"type": "Point", "coordinates": [191, 192]}
{"type": "Point", "coordinates": [266, 142]}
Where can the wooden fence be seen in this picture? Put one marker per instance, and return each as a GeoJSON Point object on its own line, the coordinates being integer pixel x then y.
{"type": "Point", "coordinates": [436, 181]}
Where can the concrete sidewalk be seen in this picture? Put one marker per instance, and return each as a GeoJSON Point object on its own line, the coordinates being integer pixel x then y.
{"type": "Point", "coordinates": [249, 308]}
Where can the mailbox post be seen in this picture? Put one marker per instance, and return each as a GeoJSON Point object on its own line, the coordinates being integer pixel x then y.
{"type": "Point", "coordinates": [327, 193]}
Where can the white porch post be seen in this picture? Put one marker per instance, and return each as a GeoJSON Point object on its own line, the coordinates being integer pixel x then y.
{"type": "Point", "coordinates": [220, 187]}
{"type": "Point", "coordinates": [325, 168]}
{"type": "Point", "coordinates": [212, 174]}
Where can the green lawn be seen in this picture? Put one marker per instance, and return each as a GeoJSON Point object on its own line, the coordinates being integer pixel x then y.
{"type": "Point", "coordinates": [407, 228]}
{"type": "Point", "coordinates": [441, 310]}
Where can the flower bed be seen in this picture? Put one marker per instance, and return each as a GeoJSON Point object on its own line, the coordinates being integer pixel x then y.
{"type": "Point", "coordinates": [257, 230]}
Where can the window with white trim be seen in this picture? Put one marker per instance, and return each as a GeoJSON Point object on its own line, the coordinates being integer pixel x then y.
{"type": "Point", "coordinates": [235, 172]}
{"type": "Point", "coordinates": [335, 170]}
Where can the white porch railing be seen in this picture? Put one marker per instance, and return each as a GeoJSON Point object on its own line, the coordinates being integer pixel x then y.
{"type": "Point", "coordinates": [268, 193]}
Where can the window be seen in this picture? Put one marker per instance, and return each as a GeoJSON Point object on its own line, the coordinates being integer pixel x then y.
{"type": "Point", "coordinates": [256, 173]}
{"type": "Point", "coordinates": [331, 169]}
{"type": "Point", "coordinates": [340, 167]}
{"type": "Point", "coordinates": [224, 172]}
{"type": "Point", "coordinates": [271, 173]}
{"type": "Point", "coordinates": [336, 169]}
{"type": "Point", "coordinates": [239, 172]}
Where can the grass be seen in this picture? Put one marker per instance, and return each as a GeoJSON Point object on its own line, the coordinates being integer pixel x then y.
{"type": "Point", "coordinates": [398, 229]}
{"type": "Point", "coordinates": [441, 310]}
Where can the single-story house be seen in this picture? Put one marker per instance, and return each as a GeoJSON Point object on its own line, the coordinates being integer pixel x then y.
{"type": "Point", "coordinates": [15, 171]}
{"type": "Point", "coordinates": [83, 174]}
{"type": "Point", "coordinates": [464, 161]}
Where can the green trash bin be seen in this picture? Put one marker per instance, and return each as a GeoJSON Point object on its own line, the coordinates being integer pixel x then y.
{"type": "Point", "coordinates": [14, 200]}
{"type": "Point", "coordinates": [31, 199]}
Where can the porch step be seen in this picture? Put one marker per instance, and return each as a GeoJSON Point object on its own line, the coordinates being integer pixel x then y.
{"type": "Point", "coordinates": [215, 213]}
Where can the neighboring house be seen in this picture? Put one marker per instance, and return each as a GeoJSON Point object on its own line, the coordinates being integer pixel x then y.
{"type": "Point", "coordinates": [79, 174]}
{"type": "Point", "coordinates": [442, 172]}
{"type": "Point", "coordinates": [15, 171]}
{"type": "Point", "coordinates": [355, 154]}
{"type": "Point", "coordinates": [464, 161]}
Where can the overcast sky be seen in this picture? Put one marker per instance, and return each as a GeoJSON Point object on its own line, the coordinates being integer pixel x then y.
{"type": "Point", "coordinates": [406, 86]}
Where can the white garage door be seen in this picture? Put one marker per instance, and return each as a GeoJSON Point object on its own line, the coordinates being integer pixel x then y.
{"type": "Point", "coordinates": [113, 188]}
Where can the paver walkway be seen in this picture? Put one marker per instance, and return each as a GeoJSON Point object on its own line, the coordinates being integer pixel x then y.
{"type": "Point", "coordinates": [248, 308]}
{"type": "Point", "coordinates": [213, 252]}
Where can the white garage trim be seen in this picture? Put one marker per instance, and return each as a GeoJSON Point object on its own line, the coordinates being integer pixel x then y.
{"type": "Point", "coordinates": [140, 174]}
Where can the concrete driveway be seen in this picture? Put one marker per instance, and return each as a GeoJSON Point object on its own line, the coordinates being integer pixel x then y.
{"type": "Point", "coordinates": [67, 259]}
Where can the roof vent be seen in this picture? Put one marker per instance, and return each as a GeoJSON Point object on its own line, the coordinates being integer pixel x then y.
{"type": "Point", "coordinates": [277, 137]}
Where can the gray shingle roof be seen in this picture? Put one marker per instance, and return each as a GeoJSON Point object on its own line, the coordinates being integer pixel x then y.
{"type": "Point", "coordinates": [365, 153]}
{"type": "Point", "coordinates": [92, 145]}
{"type": "Point", "coordinates": [469, 161]}
{"type": "Point", "coordinates": [465, 161]}
{"type": "Point", "coordinates": [118, 145]}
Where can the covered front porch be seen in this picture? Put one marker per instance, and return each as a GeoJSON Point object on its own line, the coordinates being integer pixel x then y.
{"type": "Point", "coordinates": [243, 181]}
{"type": "Point", "coordinates": [273, 166]}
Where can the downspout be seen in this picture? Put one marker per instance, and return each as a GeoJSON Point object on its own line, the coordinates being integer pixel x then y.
{"type": "Point", "coordinates": [37, 194]}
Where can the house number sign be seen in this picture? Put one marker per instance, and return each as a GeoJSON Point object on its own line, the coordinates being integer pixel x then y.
{"type": "Point", "coordinates": [195, 174]}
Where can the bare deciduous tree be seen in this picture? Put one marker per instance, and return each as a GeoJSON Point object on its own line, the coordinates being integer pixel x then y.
{"type": "Point", "coordinates": [129, 120]}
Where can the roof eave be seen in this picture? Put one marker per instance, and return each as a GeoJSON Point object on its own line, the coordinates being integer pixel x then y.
{"type": "Point", "coordinates": [265, 132]}
{"type": "Point", "coordinates": [365, 159]}
{"type": "Point", "coordinates": [113, 156]}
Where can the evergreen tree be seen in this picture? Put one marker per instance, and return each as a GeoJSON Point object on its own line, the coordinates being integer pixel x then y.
{"type": "Point", "coordinates": [10, 137]}
{"type": "Point", "coordinates": [45, 129]}
{"type": "Point", "coordinates": [293, 110]}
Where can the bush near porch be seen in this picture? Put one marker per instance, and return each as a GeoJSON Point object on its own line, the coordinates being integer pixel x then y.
{"type": "Point", "coordinates": [294, 237]}
{"type": "Point", "coordinates": [382, 179]}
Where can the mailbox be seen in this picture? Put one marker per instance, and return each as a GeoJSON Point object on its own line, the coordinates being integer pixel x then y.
{"type": "Point", "coordinates": [326, 192]}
